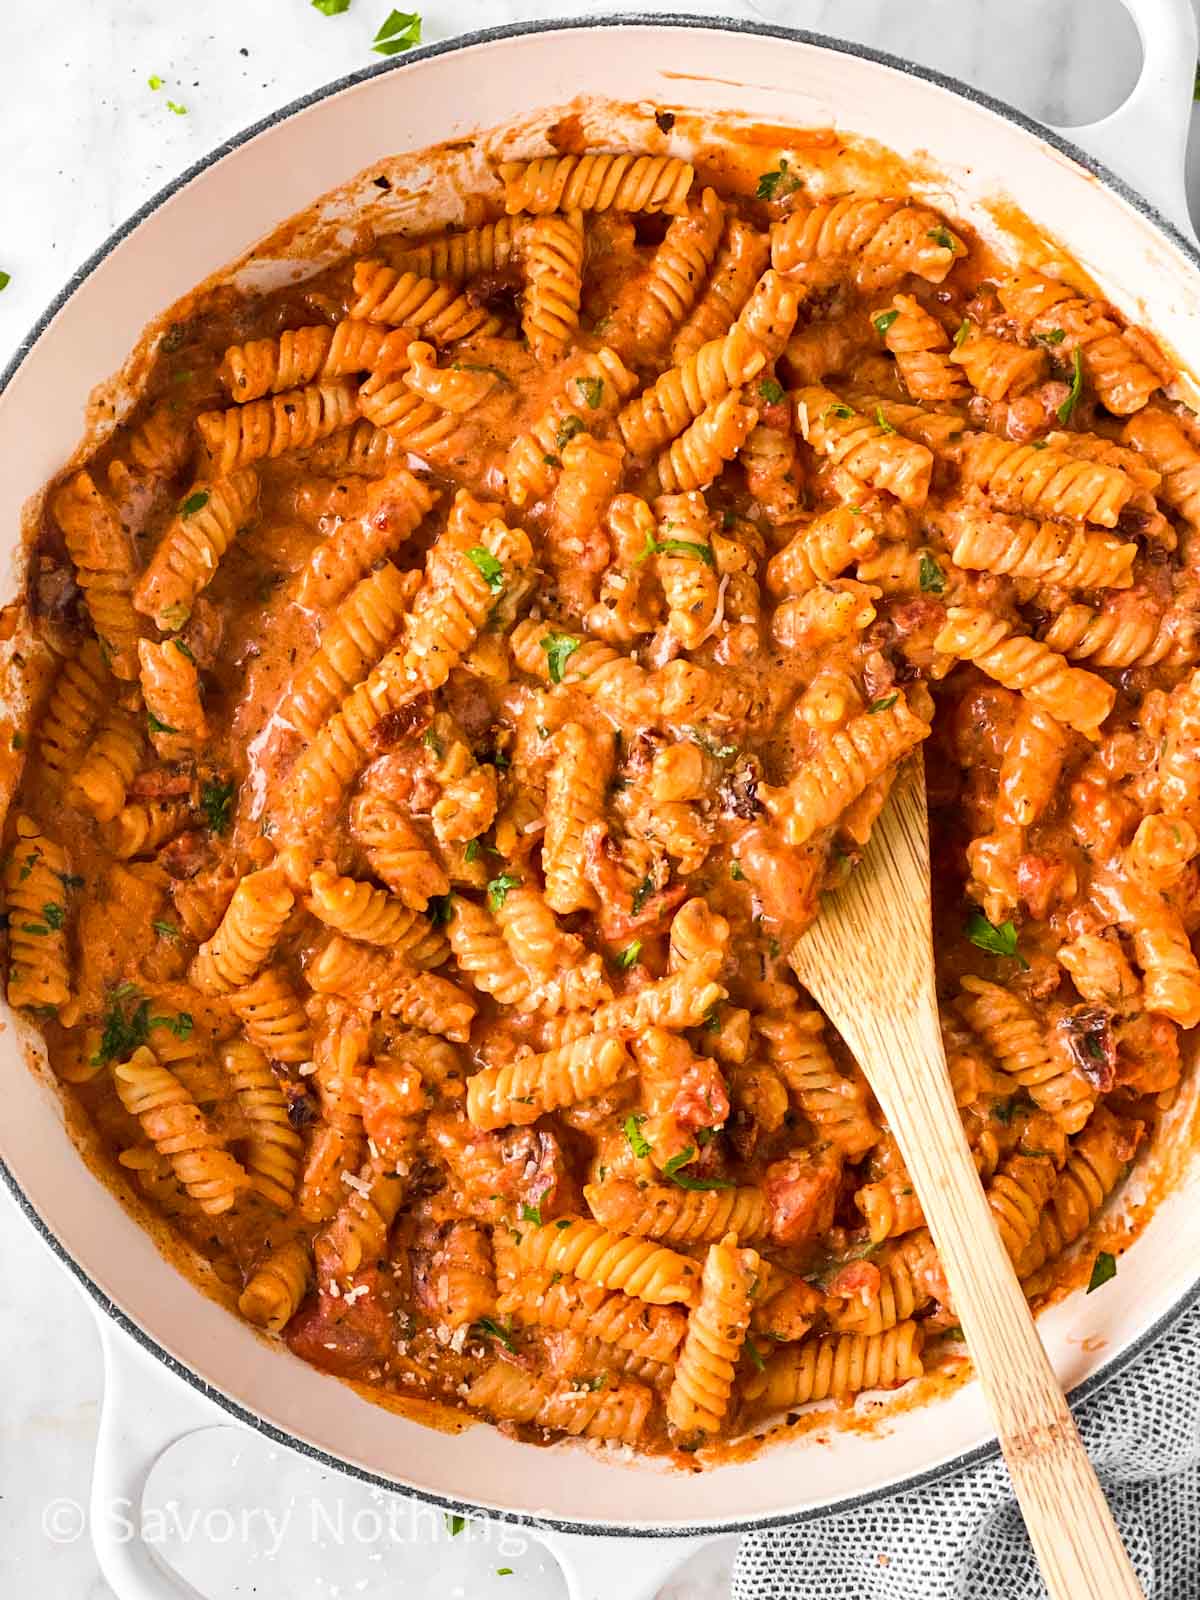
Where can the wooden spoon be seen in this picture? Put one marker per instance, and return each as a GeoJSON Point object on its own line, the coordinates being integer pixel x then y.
{"type": "Point", "coordinates": [868, 963]}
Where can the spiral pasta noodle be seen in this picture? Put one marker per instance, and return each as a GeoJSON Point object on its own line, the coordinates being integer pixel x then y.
{"type": "Point", "coordinates": [175, 1126]}
{"type": "Point", "coordinates": [596, 183]}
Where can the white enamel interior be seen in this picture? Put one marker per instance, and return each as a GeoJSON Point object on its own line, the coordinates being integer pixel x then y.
{"type": "Point", "coordinates": [214, 219]}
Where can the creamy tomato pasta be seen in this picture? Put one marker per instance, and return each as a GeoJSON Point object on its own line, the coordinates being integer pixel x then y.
{"type": "Point", "coordinates": [472, 665]}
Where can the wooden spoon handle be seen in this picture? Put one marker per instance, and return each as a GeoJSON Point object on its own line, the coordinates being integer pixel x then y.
{"type": "Point", "coordinates": [1069, 1521]}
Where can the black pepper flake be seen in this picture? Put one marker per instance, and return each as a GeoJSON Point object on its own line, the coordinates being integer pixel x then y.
{"type": "Point", "coordinates": [664, 120]}
{"type": "Point", "coordinates": [381, 182]}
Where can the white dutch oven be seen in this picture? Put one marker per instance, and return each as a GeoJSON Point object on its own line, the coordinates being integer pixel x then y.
{"type": "Point", "coordinates": [1144, 258]}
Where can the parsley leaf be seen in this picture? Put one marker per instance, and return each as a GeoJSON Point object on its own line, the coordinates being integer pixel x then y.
{"type": "Point", "coordinates": [1072, 400]}
{"type": "Point", "coordinates": [1055, 336]}
{"type": "Point", "coordinates": [193, 503]}
{"type": "Point", "coordinates": [490, 569]}
{"type": "Point", "coordinates": [173, 105]}
{"type": "Point", "coordinates": [166, 930]}
{"type": "Point", "coordinates": [641, 894]}
{"type": "Point", "coordinates": [331, 8]}
{"type": "Point", "coordinates": [54, 914]}
{"type": "Point", "coordinates": [471, 850]}
{"type": "Point", "coordinates": [531, 1214]}
{"type": "Point", "coordinates": [592, 390]}
{"type": "Point", "coordinates": [431, 742]}
{"type": "Point", "coordinates": [962, 333]}
{"type": "Point", "coordinates": [710, 746]}
{"type": "Point", "coordinates": [775, 185]}
{"type": "Point", "coordinates": [633, 1132]}
{"type": "Point", "coordinates": [559, 648]}
{"type": "Point", "coordinates": [400, 32]}
{"type": "Point", "coordinates": [681, 1160]}
{"type": "Point", "coordinates": [454, 1523]}
{"type": "Point", "coordinates": [884, 704]}
{"type": "Point", "coordinates": [1001, 941]}
{"type": "Point", "coordinates": [439, 908]}
{"type": "Point", "coordinates": [497, 889]}
{"type": "Point", "coordinates": [753, 1353]}
{"type": "Point", "coordinates": [684, 1180]}
{"type": "Point", "coordinates": [883, 421]}
{"type": "Point", "coordinates": [629, 955]}
{"type": "Point", "coordinates": [770, 391]}
{"type": "Point", "coordinates": [884, 321]}
{"type": "Point", "coordinates": [930, 576]}
{"type": "Point", "coordinates": [1103, 1268]}
{"type": "Point", "coordinates": [157, 725]}
{"type": "Point", "coordinates": [155, 81]}
{"type": "Point", "coordinates": [685, 549]}
{"type": "Point", "coordinates": [492, 1330]}
{"type": "Point", "coordinates": [122, 1032]}
{"type": "Point", "coordinates": [216, 801]}
{"type": "Point", "coordinates": [942, 237]}
{"type": "Point", "coordinates": [5, 279]}
{"type": "Point", "coordinates": [736, 873]}
{"type": "Point", "coordinates": [838, 409]}
{"type": "Point", "coordinates": [184, 651]}
{"type": "Point", "coordinates": [567, 429]}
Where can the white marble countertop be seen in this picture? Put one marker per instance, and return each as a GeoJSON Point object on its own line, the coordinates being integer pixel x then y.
{"type": "Point", "coordinates": [84, 141]}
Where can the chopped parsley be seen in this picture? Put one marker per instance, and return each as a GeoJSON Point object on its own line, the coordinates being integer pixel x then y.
{"type": "Point", "coordinates": [5, 279]}
{"type": "Point", "coordinates": [688, 1153]}
{"type": "Point", "coordinates": [884, 321]}
{"type": "Point", "coordinates": [633, 1132]}
{"type": "Point", "coordinates": [54, 914]}
{"type": "Point", "coordinates": [567, 429]}
{"type": "Point", "coordinates": [431, 742]}
{"type": "Point", "coordinates": [497, 889]}
{"type": "Point", "coordinates": [685, 549]}
{"type": "Point", "coordinates": [753, 1353]}
{"type": "Point", "coordinates": [838, 409]}
{"type": "Point", "coordinates": [492, 1330]}
{"type": "Point", "coordinates": [1068, 406]}
{"type": "Point", "coordinates": [173, 105]}
{"type": "Point", "coordinates": [885, 704]}
{"type": "Point", "coordinates": [193, 503]}
{"type": "Point", "coordinates": [504, 1572]}
{"type": "Point", "coordinates": [629, 955]}
{"type": "Point", "coordinates": [565, 1222]}
{"type": "Point", "coordinates": [157, 725]}
{"type": "Point", "coordinates": [439, 909]}
{"type": "Point", "coordinates": [454, 1523]}
{"type": "Point", "coordinates": [559, 648]}
{"type": "Point", "coordinates": [641, 894]}
{"type": "Point", "coordinates": [962, 333]}
{"type": "Point", "coordinates": [125, 1030]}
{"type": "Point", "coordinates": [770, 391]}
{"type": "Point", "coordinates": [156, 82]}
{"type": "Point", "coordinates": [996, 941]}
{"type": "Point", "coordinates": [165, 930]}
{"type": "Point", "coordinates": [489, 568]}
{"type": "Point", "coordinates": [684, 1180]}
{"type": "Point", "coordinates": [471, 850]}
{"type": "Point", "coordinates": [736, 873]}
{"type": "Point", "coordinates": [1055, 336]}
{"type": "Point", "coordinates": [531, 1214]}
{"type": "Point", "coordinates": [930, 576]}
{"type": "Point", "coordinates": [331, 8]}
{"type": "Point", "coordinates": [400, 32]}
{"type": "Point", "coordinates": [69, 880]}
{"type": "Point", "coordinates": [216, 801]}
{"type": "Point", "coordinates": [184, 651]}
{"type": "Point", "coordinates": [592, 390]}
{"type": "Point", "coordinates": [942, 237]}
{"type": "Point", "coordinates": [775, 185]}
{"type": "Point", "coordinates": [1103, 1268]}
{"type": "Point", "coordinates": [709, 745]}
{"type": "Point", "coordinates": [883, 421]}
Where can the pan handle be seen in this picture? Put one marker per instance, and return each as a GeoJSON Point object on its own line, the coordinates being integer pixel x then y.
{"type": "Point", "coordinates": [140, 1415]}
{"type": "Point", "coordinates": [1145, 140]}
{"type": "Point", "coordinates": [598, 1568]}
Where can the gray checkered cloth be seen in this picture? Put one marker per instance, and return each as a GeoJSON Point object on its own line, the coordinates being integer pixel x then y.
{"type": "Point", "coordinates": [962, 1538]}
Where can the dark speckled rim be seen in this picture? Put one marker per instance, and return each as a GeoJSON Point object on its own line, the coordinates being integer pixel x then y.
{"type": "Point", "coordinates": [1112, 1368]}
